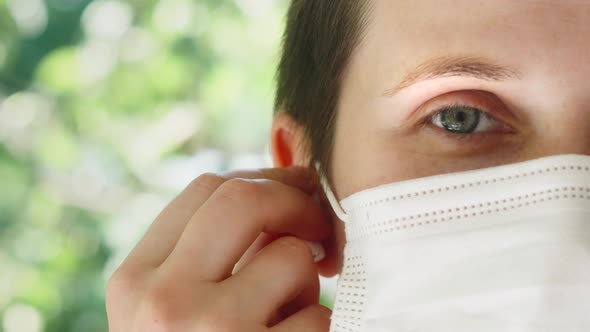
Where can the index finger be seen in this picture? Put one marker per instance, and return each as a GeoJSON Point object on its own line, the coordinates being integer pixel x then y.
{"type": "Point", "coordinates": [298, 177]}
{"type": "Point", "coordinates": [162, 236]}
{"type": "Point", "coordinates": [228, 223]}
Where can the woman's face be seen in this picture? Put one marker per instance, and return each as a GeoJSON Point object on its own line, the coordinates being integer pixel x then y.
{"type": "Point", "coordinates": [520, 68]}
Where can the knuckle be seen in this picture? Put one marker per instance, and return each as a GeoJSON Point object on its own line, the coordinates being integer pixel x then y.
{"type": "Point", "coordinates": [114, 287]}
{"type": "Point", "coordinates": [295, 248]}
{"type": "Point", "coordinates": [121, 284]}
{"type": "Point", "coordinates": [240, 189]}
{"type": "Point", "coordinates": [160, 304]}
{"type": "Point", "coordinates": [113, 293]}
{"type": "Point", "coordinates": [221, 314]}
{"type": "Point", "coordinates": [207, 181]}
{"type": "Point", "coordinates": [166, 308]}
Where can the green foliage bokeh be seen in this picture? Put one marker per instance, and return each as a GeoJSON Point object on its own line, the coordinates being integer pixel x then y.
{"type": "Point", "coordinates": [104, 106]}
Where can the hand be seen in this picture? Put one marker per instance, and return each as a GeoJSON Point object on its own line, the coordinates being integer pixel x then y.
{"type": "Point", "coordinates": [179, 276]}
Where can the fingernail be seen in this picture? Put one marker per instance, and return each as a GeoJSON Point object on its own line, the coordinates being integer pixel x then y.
{"type": "Point", "coordinates": [317, 250]}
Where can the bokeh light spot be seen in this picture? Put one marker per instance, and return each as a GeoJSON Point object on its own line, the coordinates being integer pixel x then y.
{"type": "Point", "coordinates": [107, 19]}
{"type": "Point", "coordinates": [22, 318]}
{"type": "Point", "coordinates": [31, 16]}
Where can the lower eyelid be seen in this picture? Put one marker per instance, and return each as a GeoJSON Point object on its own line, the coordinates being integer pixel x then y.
{"type": "Point", "coordinates": [486, 137]}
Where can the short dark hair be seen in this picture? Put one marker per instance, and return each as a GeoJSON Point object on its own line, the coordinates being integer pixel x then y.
{"type": "Point", "coordinates": [319, 39]}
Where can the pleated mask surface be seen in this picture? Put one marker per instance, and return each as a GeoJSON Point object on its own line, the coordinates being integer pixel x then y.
{"type": "Point", "coordinates": [497, 249]}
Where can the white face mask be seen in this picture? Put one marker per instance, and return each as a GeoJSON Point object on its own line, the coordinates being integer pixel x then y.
{"type": "Point", "coordinates": [498, 249]}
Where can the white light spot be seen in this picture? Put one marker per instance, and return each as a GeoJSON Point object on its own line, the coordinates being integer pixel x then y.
{"type": "Point", "coordinates": [174, 16]}
{"type": "Point", "coordinates": [137, 46]}
{"type": "Point", "coordinates": [255, 8]}
{"type": "Point", "coordinates": [21, 115]}
{"type": "Point", "coordinates": [247, 161]}
{"type": "Point", "coordinates": [107, 19]}
{"type": "Point", "coordinates": [22, 318]}
{"type": "Point", "coordinates": [8, 278]}
{"type": "Point", "coordinates": [179, 124]}
{"type": "Point", "coordinates": [97, 61]}
{"type": "Point", "coordinates": [30, 16]}
{"type": "Point", "coordinates": [45, 247]}
{"type": "Point", "coordinates": [174, 174]}
{"type": "Point", "coordinates": [128, 225]}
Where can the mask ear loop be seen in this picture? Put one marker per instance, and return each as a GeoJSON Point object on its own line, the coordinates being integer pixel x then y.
{"type": "Point", "coordinates": [338, 210]}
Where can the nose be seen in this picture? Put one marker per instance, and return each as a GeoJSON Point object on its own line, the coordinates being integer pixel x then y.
{"type": "Point", "coordinates": [564, 132]}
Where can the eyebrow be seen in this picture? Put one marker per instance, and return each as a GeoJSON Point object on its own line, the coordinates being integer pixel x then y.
{"type": "Point", "coordinates": [456, 66]}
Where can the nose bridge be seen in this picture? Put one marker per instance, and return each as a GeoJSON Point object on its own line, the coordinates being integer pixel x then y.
{"type": "Point", "coordinates": [567, 128]}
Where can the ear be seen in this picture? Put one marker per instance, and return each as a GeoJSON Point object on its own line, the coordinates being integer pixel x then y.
{"type": "Point", "coordinates": [287, 140]}
{"type": "Point", "coordinates": [288, 149]}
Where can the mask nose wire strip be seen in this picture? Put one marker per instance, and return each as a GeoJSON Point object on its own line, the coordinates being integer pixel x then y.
{"type": "Point", "coordinates": [333, 201]}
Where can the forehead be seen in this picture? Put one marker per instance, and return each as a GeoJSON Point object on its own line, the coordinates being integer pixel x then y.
{"type": "Point", "coordinates": [470, 18]}
{"type": "Point", "coordinates": [528, 34]}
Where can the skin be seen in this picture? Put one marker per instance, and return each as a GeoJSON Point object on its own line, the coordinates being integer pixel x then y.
{"type": "Point", "coordinates": [181, 276]}
{"type": "Point", "coordinates": [547, 107]}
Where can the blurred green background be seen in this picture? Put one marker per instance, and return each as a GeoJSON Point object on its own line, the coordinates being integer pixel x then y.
{"type": "Point", "coordinates": [108, 109]}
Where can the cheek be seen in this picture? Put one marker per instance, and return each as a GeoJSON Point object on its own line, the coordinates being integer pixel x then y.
{"type": "Point", "coordinates": [363, 161]}
{"type": "Point", "coordinates": [381, 160]}
{"type": "Point", "coordinates": [400, 162]}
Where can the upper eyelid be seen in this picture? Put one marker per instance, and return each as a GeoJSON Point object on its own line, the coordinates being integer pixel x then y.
{"type": "Point", "coordinates": [440, 110]}
{"type": "Point", "coordinates": [486, 101]}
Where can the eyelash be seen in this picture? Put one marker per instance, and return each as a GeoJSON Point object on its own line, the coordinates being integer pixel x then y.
{"type": "Point", "coordinates": [427, 122]}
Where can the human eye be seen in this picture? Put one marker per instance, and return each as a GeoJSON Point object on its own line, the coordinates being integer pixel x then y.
{"type": "Point", "coordinates": [468, 115]}
{"type": "Point", "coordinates": [467, 123]}
{"type": "Point", "coordinates": [463, 119]}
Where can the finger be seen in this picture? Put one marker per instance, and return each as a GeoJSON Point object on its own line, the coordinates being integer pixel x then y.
{"type": "Point", "coordinates": [315, 318]}
{"type": "Point", "coordinates": [163, 234]}
{"type": "Point", "coordinates": [294, 176]}
{"type": "Point", "coordinates": [234, 216]}
{"type": "Point", "coordinates": [262, 241]}
{"type": "Point", "coordinates": [282, 273]}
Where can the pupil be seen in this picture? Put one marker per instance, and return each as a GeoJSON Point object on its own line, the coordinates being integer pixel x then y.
{"type": "Point", "coordinates": [461, 116]}
{"type": "Point", "coordinates": [461, 120]}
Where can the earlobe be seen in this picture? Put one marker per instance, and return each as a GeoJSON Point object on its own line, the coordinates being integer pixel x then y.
{"type": "Point", "coordinates": [287, 137]}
